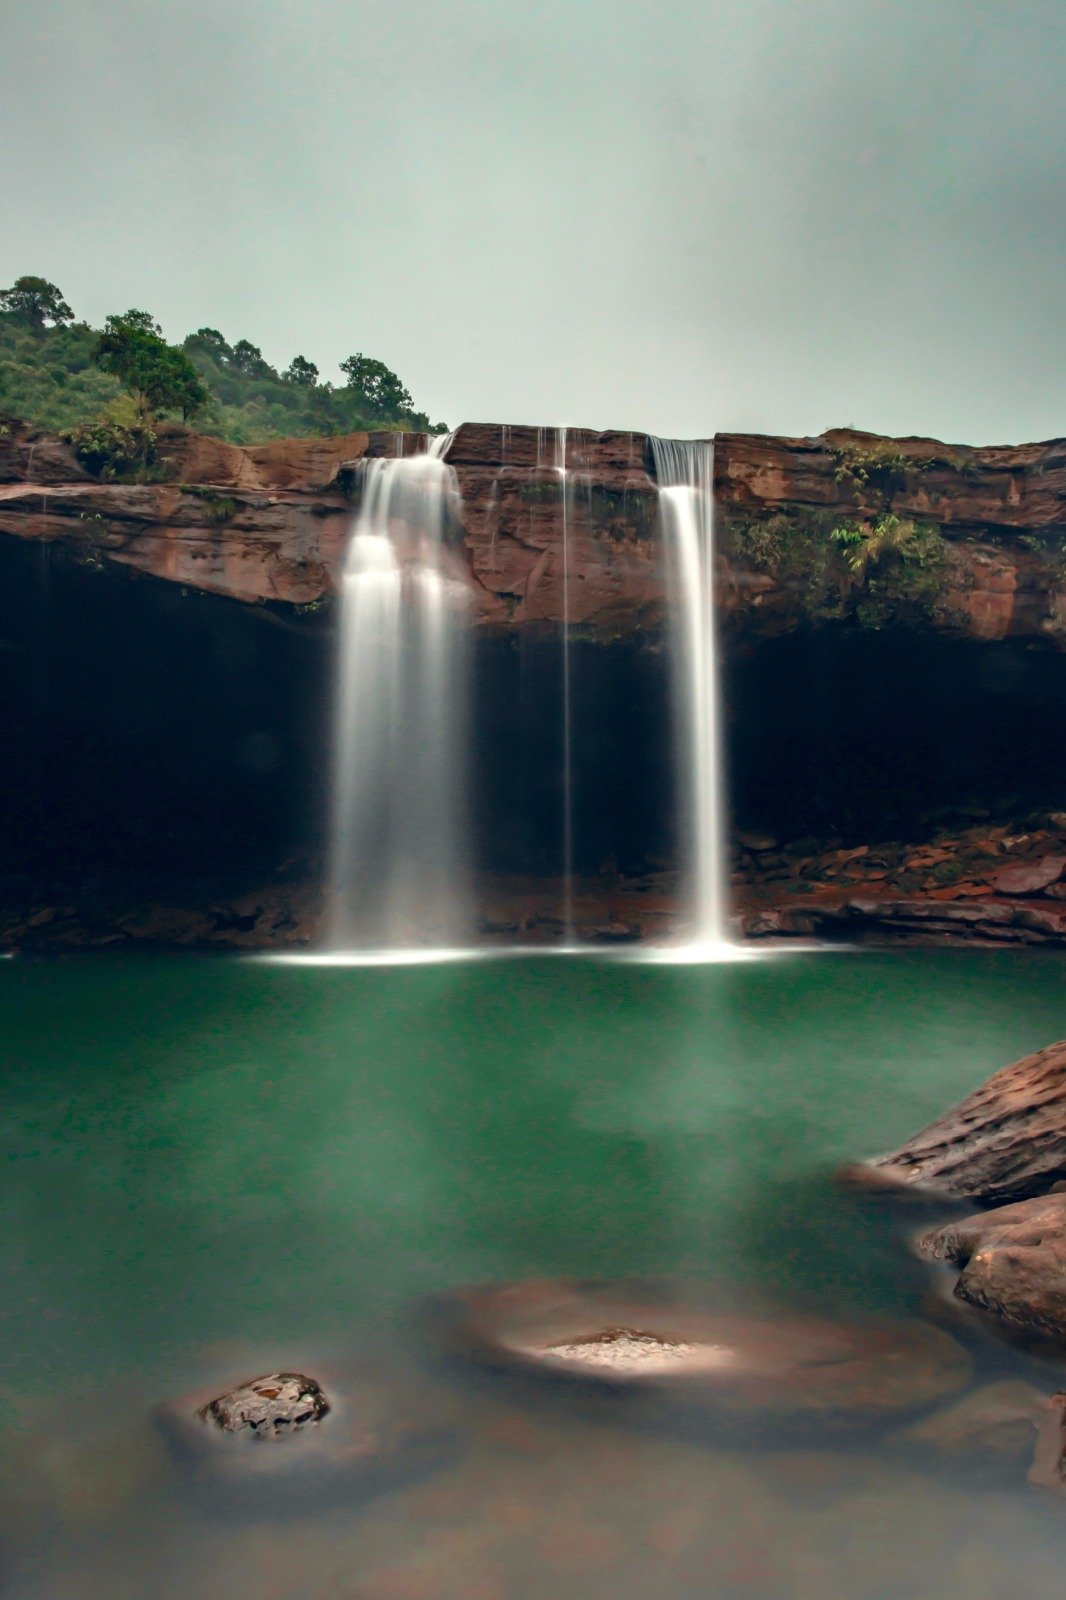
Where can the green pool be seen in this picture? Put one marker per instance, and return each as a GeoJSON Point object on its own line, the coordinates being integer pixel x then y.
{"type": "Point", "coordinates": [217, 1167]}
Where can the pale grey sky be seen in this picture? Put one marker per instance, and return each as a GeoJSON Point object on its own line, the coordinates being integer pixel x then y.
{"type": "Point", "coordinates": [684, 217]}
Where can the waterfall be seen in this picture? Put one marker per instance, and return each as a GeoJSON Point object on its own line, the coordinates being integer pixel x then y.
{"type": "Point", "coordinates": [398, 828]}
{"type": "Point", "coordinates": [685, 474]}
{"type": "Point", "coordinates": [559, 466]}
{"type": "Point", "coordinates": [568, 721]}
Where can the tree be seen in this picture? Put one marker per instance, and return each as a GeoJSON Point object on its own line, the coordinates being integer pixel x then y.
{"type": "Point", "coordinates": [37, 301]}
{"type": "Point", "coordinates": [376, 389]}
{"type": "Point", "coordinates": [320, 409]}
{"type": "Point", "coordinates": [142, 321]}
{"type": "Point", "coordinates": [248, 359]}
{"type": "Point", "coordinates": [208, 342]}
{"type": "Point", "coordinates": [159, 377]}
{"type": "Point", "coordinates": [301, 371]}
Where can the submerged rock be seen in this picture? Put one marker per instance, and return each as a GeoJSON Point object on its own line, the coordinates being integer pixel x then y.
{"type": "Point", "coordinates": [361, 1433]}
{"type": "Point", "coordinates": [1013, 1262]}
{"type": "Point", "coordinates": [1048, 1470]}
{"type": "Point", "coordinates": [640, 1336]}
{"type": "Point", "coordinates": [992, 1428]}
{"type": "Point", "coordinates": [271, 1407]}
{"type": "Point", "coordinates": [1004, 1142]}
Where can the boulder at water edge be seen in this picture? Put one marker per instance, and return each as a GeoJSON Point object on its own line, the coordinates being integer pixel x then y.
{"type": "Point", "coordinates": [1013, 1262]}
{"type": "Point", "coordinates": [1004, 1142]}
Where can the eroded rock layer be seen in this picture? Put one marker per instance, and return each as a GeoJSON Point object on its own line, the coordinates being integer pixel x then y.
{"type": "Point", "coordinates": [842, 527]}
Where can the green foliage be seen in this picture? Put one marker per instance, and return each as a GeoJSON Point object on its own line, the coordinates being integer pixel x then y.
{"type": "Point", "coordinates": [876, 571]}
{"type": "Point", "coordinates": [302, 372]}
{"type": "Point", "coordinates": [50, 379]}
{"type": "Point", "coordinates": [220, 507]}
{"type": "Point", "coordinates": [50, 375]}
{"type": "Point", "coordinates": [375, 389]}
{"type": "Point", "coordinates": [110, 450]}
{"type": "Point", "coordinates": [253, 402]}
{"type": "Point", "coordinates": [36, 302]}
{"type": "Point", "coordinates": [159, 377]}
{"type": "Point", "coordinates": [871, 468]}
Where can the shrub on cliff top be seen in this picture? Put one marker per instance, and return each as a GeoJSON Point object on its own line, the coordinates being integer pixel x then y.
{"type": "Point", "coordinates": [109, 450]}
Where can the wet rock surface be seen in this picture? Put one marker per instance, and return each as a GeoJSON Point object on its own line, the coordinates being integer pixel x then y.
{"type": "Point", "coordinates": [1004, 1142]}
{"type": "Point", "coordinates": [985, 883]}
{"type": "Point", "coordinates": [1013, 1262]}
{"type": "Point", "coordinates": [360, 1432]}
{"type": "Point", "coordinates": [267, 522]}
{"type": "Point", "coordinates": [777, 1369]}
{"type": "Point", "coordinates": [271, 1407]}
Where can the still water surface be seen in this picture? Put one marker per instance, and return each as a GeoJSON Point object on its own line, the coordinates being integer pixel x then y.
{"type": "Point", "coordinates": [215, 1168]}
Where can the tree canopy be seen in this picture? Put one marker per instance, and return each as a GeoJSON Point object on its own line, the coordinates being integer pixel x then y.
{"type": "Point", "coordinates": [37, 302]}
{"type": "Point", "coordinates": [375, 387]}
{"type": "Point", "coordinates": [159, 377]}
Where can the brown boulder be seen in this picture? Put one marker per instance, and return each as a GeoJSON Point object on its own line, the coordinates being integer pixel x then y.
{"type": "Point", "coordinates": [272, 1407]}
{"type": "Point", "coordinates": [360, 1432]}
{"type": "Point", "coordinates": [1004, 1142]}
{"type": "Point", "coordinates": [1030, 877]}
{"type": "Point", "coordinates": [1013, 1262]}
{"type": "Point", "coordinates": [733, 1366]}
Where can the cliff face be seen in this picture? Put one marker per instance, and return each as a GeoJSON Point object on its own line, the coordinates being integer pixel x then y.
{"type": "Point", "coordinates": [964, 541]}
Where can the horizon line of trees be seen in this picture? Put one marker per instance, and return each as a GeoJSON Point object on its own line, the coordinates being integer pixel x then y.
{"type": "Point", "coordinates": [58, 372]}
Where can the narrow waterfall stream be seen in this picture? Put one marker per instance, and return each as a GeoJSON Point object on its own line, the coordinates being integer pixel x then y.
{"type": "Point", "coordinates": [568, 721]}
{"type": "Point", "coordinates": [685, 473]}
{"type": "Point", "coordinates": [398, 834]}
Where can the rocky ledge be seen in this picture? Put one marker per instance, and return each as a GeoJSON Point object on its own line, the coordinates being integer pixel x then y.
{"type": "Point", "coordinates": [1006, 1142]}
{"type": "Point", "coordinates": [990, 883]}
{"type": "Point", "coordinates": [846, 526]}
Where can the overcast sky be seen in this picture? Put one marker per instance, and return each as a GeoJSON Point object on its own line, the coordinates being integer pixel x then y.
{"type": "Point", "coordinates": [688, 216]}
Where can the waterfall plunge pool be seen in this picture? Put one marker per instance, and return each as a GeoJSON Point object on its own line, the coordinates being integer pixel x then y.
{"type": "Point", "coordinates": [218, 1168]}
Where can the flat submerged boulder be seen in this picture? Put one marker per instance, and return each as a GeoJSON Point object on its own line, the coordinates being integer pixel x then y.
{"type": "Point", "coordinates": [639, 1336]}
{"type": "Point", "coordinates": [1005, 1142]}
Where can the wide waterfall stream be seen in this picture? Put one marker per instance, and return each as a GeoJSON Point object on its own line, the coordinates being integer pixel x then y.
{"type": "Point", "coordinates": [399, 869]}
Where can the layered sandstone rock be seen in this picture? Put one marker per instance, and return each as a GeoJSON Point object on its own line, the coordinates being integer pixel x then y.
{"type": "Point", "coordinates": [1013, 1262]}
{"type": "Point", "coordinates": [268, 522]}
{"type": "Point", "coordinates": [1004, 1142]}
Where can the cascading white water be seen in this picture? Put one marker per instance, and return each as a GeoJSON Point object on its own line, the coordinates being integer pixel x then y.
{"type": "Point", "coordinates": [398, 835]}
{"type": "Point", "coordinates": [685, 472]}
{"type": "Point", "coordinates": [558, 464]}
{"type": "Point", "coordinates": [568, 730]}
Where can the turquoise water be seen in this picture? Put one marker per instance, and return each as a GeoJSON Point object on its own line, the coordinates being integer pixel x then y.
{"type": "Point", "coordinates": [215, 1167]}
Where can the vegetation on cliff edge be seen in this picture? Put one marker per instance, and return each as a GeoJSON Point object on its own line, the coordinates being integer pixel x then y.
{"type": "Point", "coordinates": [872, 570]}
{"type": "Point", "coordinates": [66, 376]}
